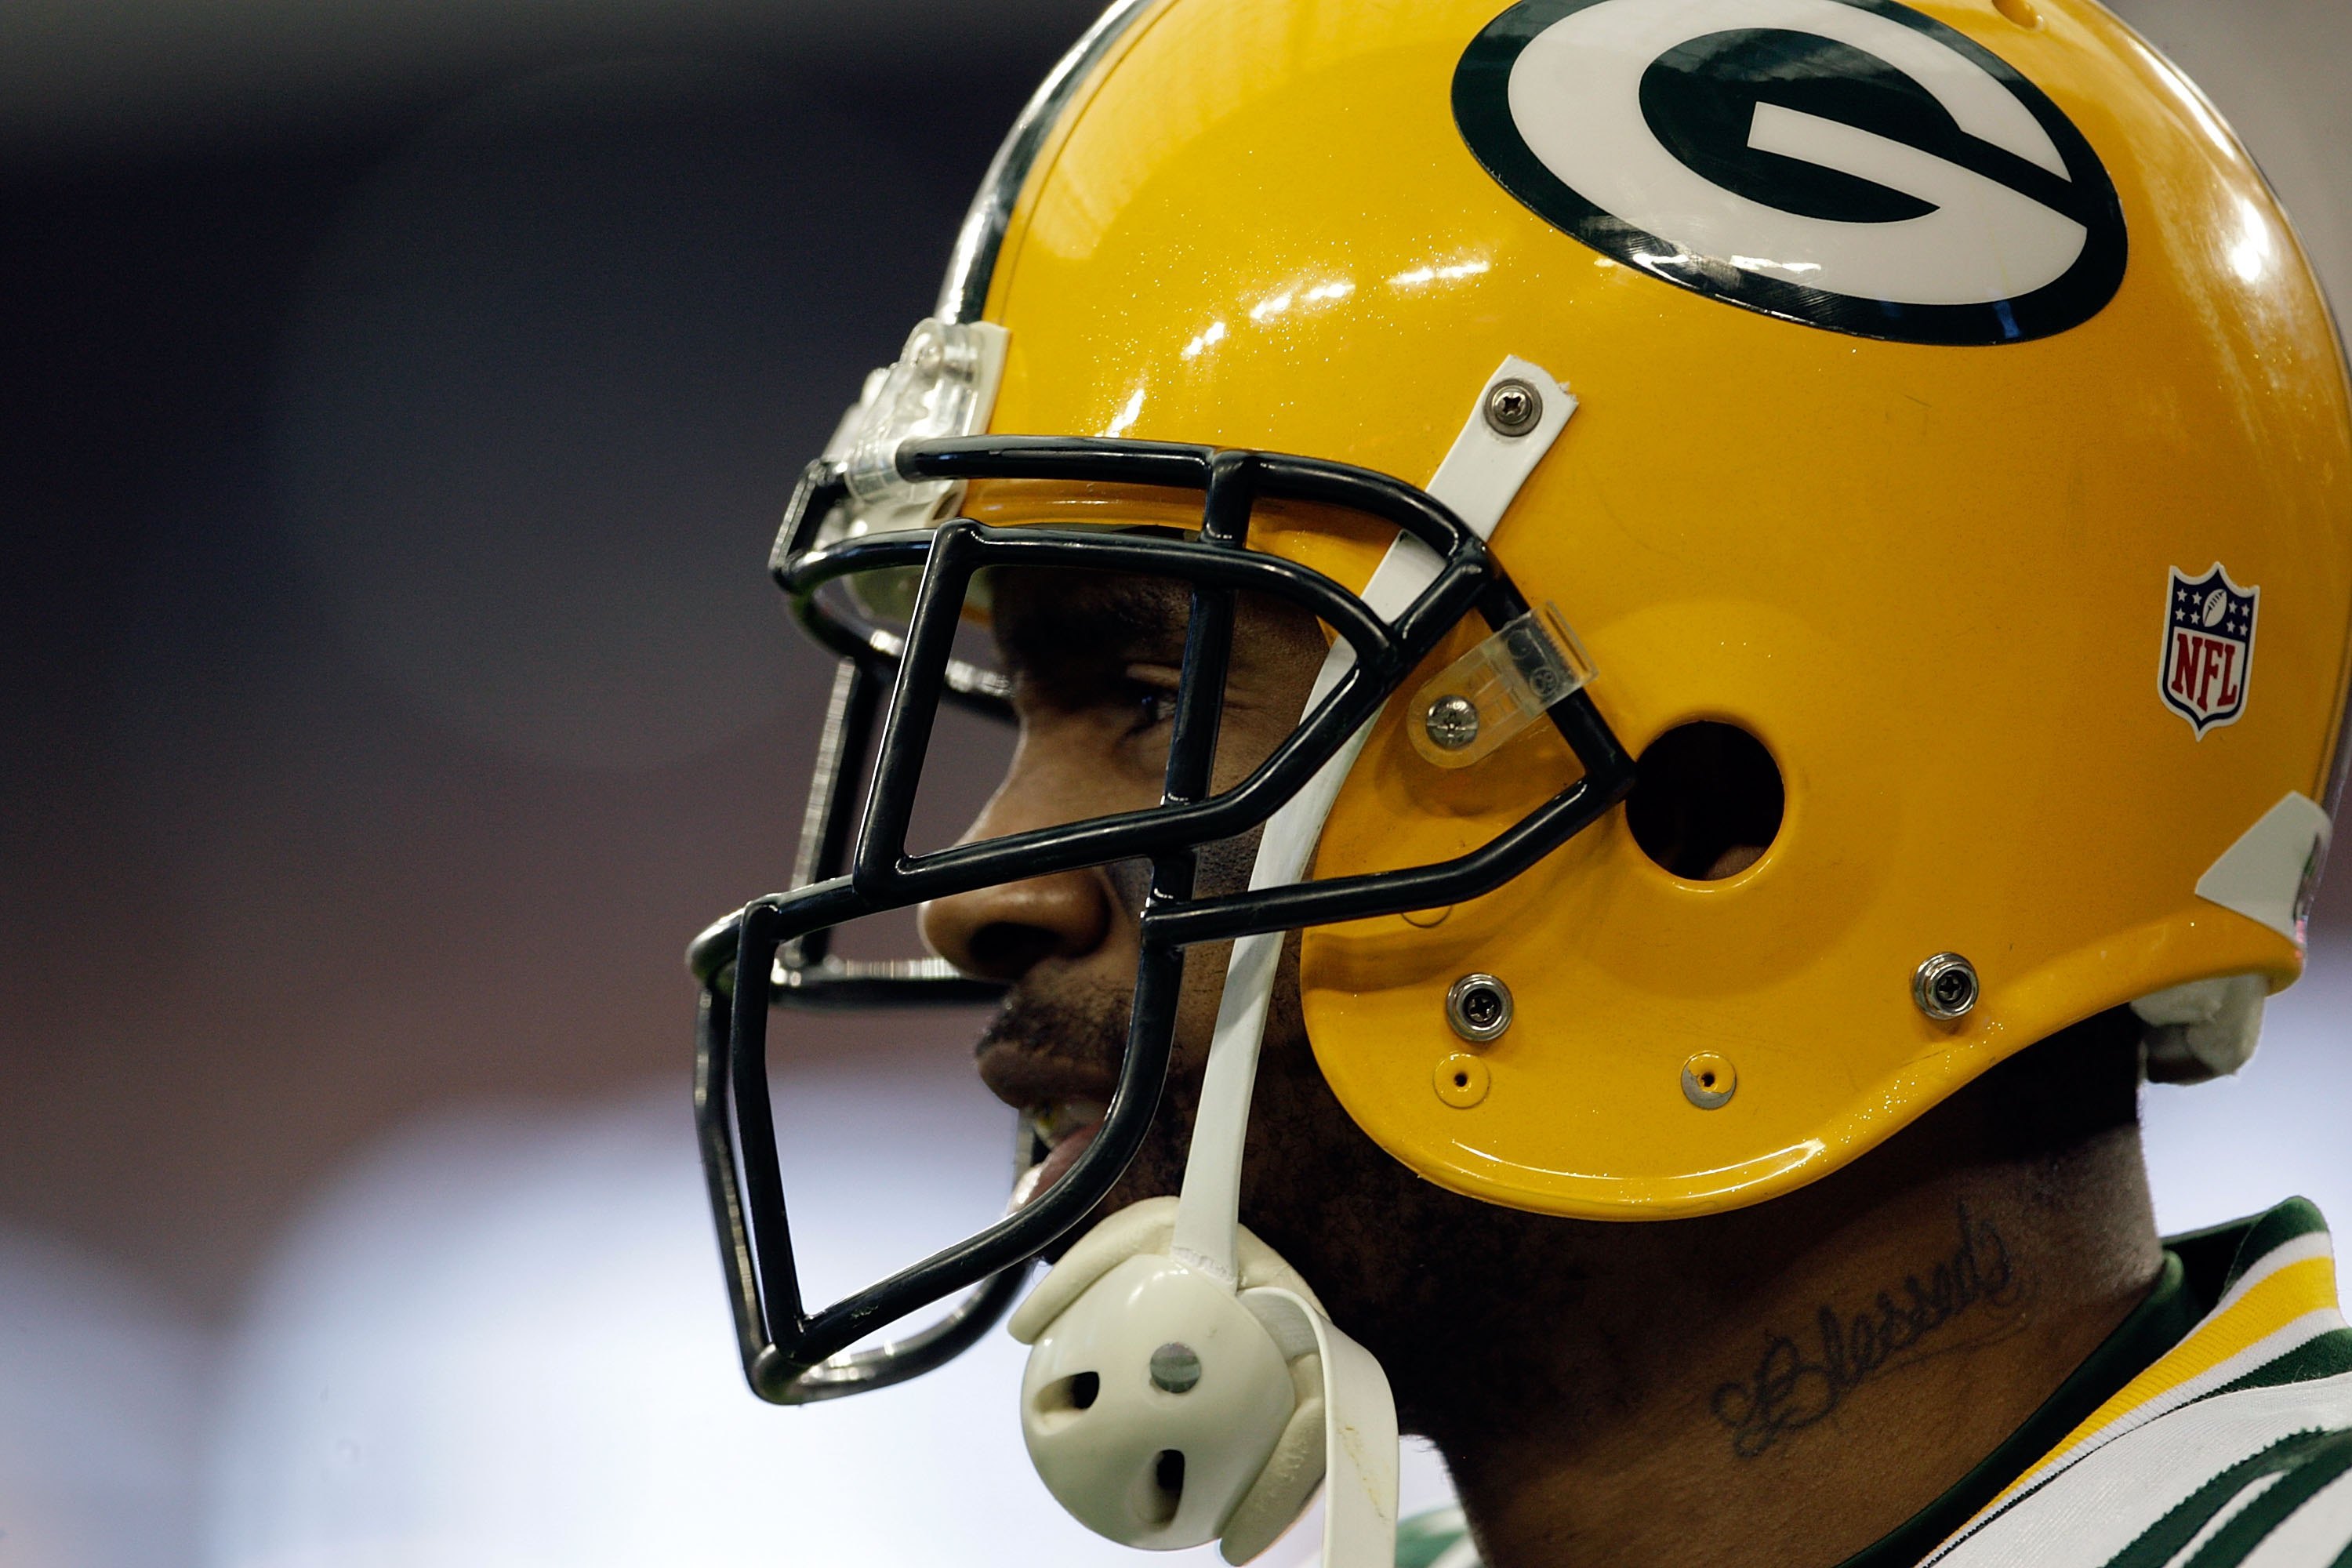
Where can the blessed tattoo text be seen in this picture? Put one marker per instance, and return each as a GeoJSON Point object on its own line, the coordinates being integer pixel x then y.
{"type": "Point", "coordinates": [1802, 1379]}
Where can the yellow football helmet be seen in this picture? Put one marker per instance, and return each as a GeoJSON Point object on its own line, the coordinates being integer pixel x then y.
{"type": "Point", "coordinates": [1957, 509]}
{"type": "Point", "coordinates": [1923, 535]}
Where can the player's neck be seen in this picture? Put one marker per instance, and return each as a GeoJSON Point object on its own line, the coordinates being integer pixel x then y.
{"type": "Point", "coordinates": [1829, 1365]}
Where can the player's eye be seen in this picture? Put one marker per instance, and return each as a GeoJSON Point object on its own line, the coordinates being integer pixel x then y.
{"type": "Point", "coordinates": [1148, 700]}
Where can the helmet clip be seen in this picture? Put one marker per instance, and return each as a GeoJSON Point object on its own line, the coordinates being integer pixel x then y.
{"type": "Point", "coordinates": [1499, 688]}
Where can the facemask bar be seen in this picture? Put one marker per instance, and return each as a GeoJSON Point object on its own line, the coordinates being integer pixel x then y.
{"type": "Point", "coordinates": [806, 975]}
{"type": "Point", "coordinates": [784, 1348]}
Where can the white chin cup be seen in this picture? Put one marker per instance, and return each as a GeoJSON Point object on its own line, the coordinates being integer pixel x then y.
{"type": "Point", "coordinates": [1161, 1409]}
{"type": "Point", "coordinates": [1153, 1404]}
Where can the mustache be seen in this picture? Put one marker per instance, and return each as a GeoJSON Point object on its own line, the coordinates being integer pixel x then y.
{"type": "Point", "coordinates": [1090, 1028]}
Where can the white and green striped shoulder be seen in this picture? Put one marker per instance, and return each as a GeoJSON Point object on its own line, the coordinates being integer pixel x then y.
{"type": "Point", "coordinates": [2235, 1447]}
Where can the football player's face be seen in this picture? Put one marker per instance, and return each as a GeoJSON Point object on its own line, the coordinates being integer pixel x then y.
{"type": "Point", "coordinates": [1095, 659]}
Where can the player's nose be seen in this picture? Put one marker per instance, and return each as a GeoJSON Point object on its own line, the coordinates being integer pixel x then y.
{"type": "Point", "coordinates": [1000, 932]}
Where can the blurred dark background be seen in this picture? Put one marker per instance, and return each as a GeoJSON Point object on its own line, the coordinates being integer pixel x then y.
{"type": "Point", "coordinates": [395, 405]}
{"type": "Point", "coordinates": [396, 401]}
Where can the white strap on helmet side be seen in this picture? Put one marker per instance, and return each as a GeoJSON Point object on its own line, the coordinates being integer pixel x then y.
{"type": "Point", "coordinates": [1340, 1417]}
{"type": "Point", "coordinates": [1481, 476]}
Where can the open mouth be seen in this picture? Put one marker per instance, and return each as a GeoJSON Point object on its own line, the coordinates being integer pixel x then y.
{"type": "Point", "coordinates": [1061, 1129]}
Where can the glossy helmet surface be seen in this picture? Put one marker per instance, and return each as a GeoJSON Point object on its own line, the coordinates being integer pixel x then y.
{"type": "Point", "coordinates": [1977, 349]}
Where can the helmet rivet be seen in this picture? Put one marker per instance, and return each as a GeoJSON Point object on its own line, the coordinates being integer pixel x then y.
{"type": "Point", "coordinates": [1708, 1080]}
{"type": "Point", "coordinates": [1452, 722]}
{"type": "Point", "coordinates": [1479, 1008]}
{"type": "Point", "coordinates": [1945, 986]}
{"type": "Point", "coordinates": [1175, 1368]}
{"type": "Point", "coordinates": [1513, 408]}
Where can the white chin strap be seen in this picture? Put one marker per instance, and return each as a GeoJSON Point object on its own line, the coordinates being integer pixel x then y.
{"type": "Point", "coordinates": [1185, 1386]}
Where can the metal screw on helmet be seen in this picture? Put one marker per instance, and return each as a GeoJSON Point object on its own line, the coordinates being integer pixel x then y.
{"type": "Point", "coordinates": [1478, 1006]}
{"type": "Point", "coordinates": [1513, 407]}
{"type": "Point", "coordinates": [1945, 986]}
{"type": "Point", "coordinates": [1175, 1368]}
{"type": "Point", "coordinates": [1452, 722]}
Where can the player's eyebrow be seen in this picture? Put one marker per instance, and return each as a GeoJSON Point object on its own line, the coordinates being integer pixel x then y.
{"type": "Point", "coordinates": [1052, 625]}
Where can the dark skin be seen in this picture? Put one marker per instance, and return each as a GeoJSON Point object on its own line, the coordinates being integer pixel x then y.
{"type": "Point", "coordinates": [1621, 1394]}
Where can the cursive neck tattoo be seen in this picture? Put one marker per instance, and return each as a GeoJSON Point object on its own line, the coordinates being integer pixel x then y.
{"type": "Point", "coordinates": [1801, 1379]}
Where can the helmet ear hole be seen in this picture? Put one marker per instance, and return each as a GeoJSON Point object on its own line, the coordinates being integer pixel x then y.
{"type": "Point", "coordinates": [1707, 801]}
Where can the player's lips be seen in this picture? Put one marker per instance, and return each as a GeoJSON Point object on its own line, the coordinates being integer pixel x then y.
{"type": "Point", "coordinates": [1066, 1127]}
{"type": "Point", "coordinates": [1061, 1096]}
{"type": "Point", "coordinates": [1058, 1120]}
{"type": "Point", "coordinates": [1025, 1076]}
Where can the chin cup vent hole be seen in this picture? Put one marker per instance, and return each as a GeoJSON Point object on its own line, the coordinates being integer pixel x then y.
{"type": "Point", "coordinates": [1077, 1392]}
{"type": "Point", "coordinates": [1160, 1490]}
{"type": "Point", "coordinates": [1707, 801]}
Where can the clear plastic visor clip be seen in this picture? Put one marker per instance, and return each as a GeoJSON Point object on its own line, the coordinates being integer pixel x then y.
{"type": "Point", "coordinates": [943, 384]}
{"type": "Point", "coordinates": [1497, 688]}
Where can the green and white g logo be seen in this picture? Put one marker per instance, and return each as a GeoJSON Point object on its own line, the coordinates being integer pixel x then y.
{"type": "Point", "coordinates": [1850, 164]}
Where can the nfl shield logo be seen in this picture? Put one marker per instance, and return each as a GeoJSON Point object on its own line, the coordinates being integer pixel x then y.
{"type": "Point", "coordinates": [2208, 648]}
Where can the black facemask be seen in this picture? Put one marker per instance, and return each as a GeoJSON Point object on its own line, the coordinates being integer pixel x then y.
{"type": "Point", "coordinates": [854, 862]}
